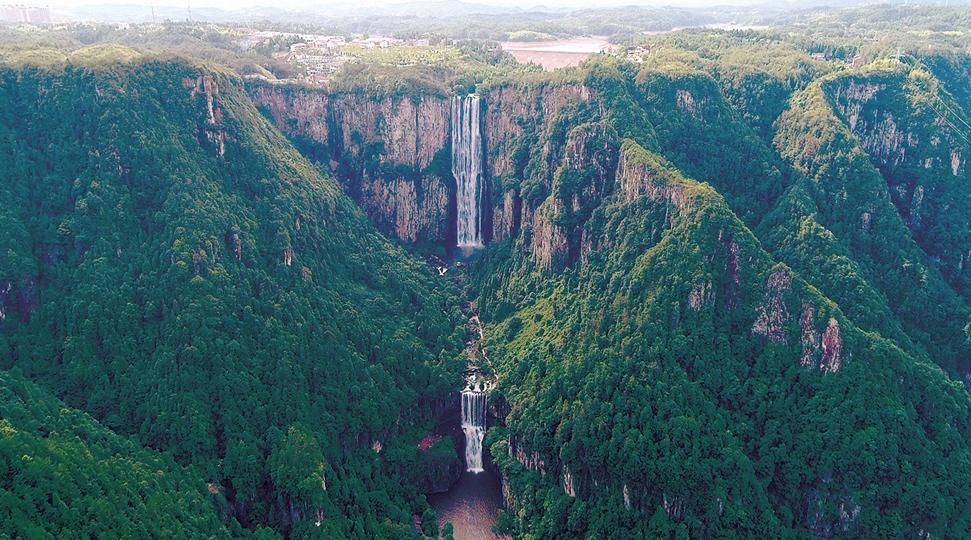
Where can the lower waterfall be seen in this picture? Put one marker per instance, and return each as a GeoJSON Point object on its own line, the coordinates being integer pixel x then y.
{"type": "Point", "coordinates": [474, 425]}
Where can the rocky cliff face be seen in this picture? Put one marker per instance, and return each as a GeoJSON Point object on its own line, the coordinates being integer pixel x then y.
{"type": "Point", "coordinates": [392, 154]}
{"type": "Point", "coordinates": [408, 209]}
{"type": "Point", "coordinates": [517, 125]}
{"type": "Point", "coordinates": [389, 130]}
{"type": "Point", "coordinates": [514, 112]}
{"type": "Point", "coordinates": [382, 149]}
{"type": "Point", "coordinates": [205, 88]}
{"type": "Point", "coordinates": [583, 179]}
{"type": "Point", "coordinates": [914, 134]}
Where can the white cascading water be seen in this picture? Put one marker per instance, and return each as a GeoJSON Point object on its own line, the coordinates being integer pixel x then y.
{"type": "Point", "coordinates": [474, 425]}
{"type": "Point", "coordinates": [467, 170]}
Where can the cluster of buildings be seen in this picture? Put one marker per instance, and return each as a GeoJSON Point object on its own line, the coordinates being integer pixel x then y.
{"type": "Point", "coordinates": [635, 55]}
{"type": "Point", "coordinates": [318, 55]}
{"type": "Point", "coordinates": [321, 55]}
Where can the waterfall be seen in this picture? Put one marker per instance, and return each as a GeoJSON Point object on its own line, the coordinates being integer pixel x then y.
{"type": "Point", "coordinates": [467, 170]}
{"type": "Point", "coordinates": [473, 424]}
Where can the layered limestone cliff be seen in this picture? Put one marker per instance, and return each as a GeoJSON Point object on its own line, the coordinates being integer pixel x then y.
{"type": "Point", "coordinates": [387, 151]}
{"type": "Point", "coordinates": [407, 209]}
{"type": "Point", "coordinates": [391, 153]}
{"type": "Point", "coordinates": [517, 125]}
{"type": "Point", "coordinates": [584, 177]}
{"type": "Point", "coordinates": [916, 135]}
{"type": "Point", "coordinates": [391, 130]}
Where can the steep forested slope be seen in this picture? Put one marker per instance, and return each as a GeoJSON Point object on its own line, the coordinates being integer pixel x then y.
{"type": "Point", "coordinates": [711, 138]}
{"type": "Point", "coordinates": [847, 202]}
{"type": "Point", "coordinates": [725, 291]}
{"type": "Point", "coordinates": [173, 267]}
{"type": "Point", "coordinates": [772, 349]}
{"type": "Point", "coordinates": [65, 475]}
{"type": "Point", "coordinates": [678, 382]}
{"type": "Point", "coordinates": [918, 136]}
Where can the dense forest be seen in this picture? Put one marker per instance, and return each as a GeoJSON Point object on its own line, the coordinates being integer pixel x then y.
{"type": "Point", "coordinates": [725, 288]}
{"type": "Point", "coordinates": [756, 353]}
{"type": "Point", "coordinates": [176, 270]}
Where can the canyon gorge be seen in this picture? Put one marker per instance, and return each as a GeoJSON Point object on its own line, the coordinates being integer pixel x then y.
{"type": "Point", "coordinates": [566, 178]}
{"type": "Point", "coordinates": [706, 283]}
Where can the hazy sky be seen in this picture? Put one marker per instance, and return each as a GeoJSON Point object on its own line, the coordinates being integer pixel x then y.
{"type": "Point", "coordinates": [293, 4]}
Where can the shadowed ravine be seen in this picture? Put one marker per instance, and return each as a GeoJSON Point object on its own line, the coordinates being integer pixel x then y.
{"type": "Point", "coordinates": [472, 504]}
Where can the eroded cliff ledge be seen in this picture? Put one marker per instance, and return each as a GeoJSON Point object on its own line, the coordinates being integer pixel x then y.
{"type": "Point", "coordinates": [392, 152]}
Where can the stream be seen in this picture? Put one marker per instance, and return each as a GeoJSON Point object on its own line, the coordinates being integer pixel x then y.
{"type": "Point", "coordinates": [472, 504]}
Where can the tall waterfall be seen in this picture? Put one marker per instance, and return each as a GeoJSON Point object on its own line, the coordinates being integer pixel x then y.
{"type": "Point", "coordinates": [467, 169]}
{"type": "Point", "coordinates": [473, 424]}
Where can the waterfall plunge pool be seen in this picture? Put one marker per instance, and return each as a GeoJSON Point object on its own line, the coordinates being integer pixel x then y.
{"type": "Point", "coordinates": [472, 504]}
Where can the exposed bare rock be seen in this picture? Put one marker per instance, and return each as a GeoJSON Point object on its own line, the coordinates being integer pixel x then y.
{"type": "Point", "coordinates": [235, 244]}
{"type": "Point", "coordinates": [701, 295]}
{"type": "Point", "coordinates": [506, 216]}
{"type": "Point", "coordinates": [403, 131]}
{"type": "Point", "coordinates": [508, 500]}
{"type": "Point", "coordinates": [509, 108]}
{"type": "Point", "coordinates": [772, 314]}
{"type": "Point", "coordinates": [673, 506]}
{"type": "Point", "coordinates": [733, 268]}
{"type": "Point", "coordinates": [568, 487]}
{"type": "Point", "coordinates": [516, 116]}
{"type": "Point", "coordinates": [549, 243]}
{"type": "Point", "coordinates": [832, 347]}
{"type": "Point", "coordinates": [406, 131]}
{"type": "Point", "coordinates": [810, 338]}
{"type": "Point", "coordinates": [393, 132]}
{"type": "Point", "coordinates": [866, 218]}
{"type": "Point", "coordinates": [377, 135]}
{"type": "Point", "coordinates": [213, 131]}
{"type": "Point", "coordinates": [581, 182]}
{"type": "Point", "coordinates": [823, 523]}
{"type": "Point", "coordinates": [406, 209]}
{"type": "Point", "coordinates": [686, 101]}
{"type": "Point", "coordinates": [638, 176]}
{"type": "Point", "coordinates": [915, 206]}
{"type": "Point", "coordinates": [4, 299]}
{"type": "Point", "coordinates": [915, 147]}
{"type": "Point", "coordinates": [826, 354]}
{"type": "Point", "coordinates": [531, 460]}
{"type": "Point", "coordinates": [852, 97]}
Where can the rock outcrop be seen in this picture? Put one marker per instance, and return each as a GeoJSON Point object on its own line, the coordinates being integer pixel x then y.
{"type": "Point", "coordinates": [913, 133]}
{"type": "Point", "coordinates": [389, 129]}
{"type": "Point", "coordinates": [584, 178]}
{"type": "Point", "coordinates": [773, 315]}
{"type": "Point", "coordinates": [517, 126]}
{"type": "Point", "coordinates": [514, 112]}
{"type": "Point", "coordinates": [409, 210]}
{"type": "Point", "coordinates": [389, 153]}
{"type": "Point", "coordinates": [204, 87]}
{"type": "Point", "coordinates": [825, 351]}
{"type": "Point", "coordinates": [641, 174]}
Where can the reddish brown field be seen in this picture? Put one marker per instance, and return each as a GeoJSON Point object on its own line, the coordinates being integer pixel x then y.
{"type": "Point", "coordinates": [555, 54]}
